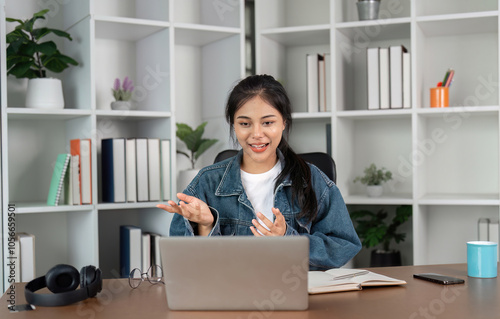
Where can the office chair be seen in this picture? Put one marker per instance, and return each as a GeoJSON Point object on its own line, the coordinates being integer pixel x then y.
{"type": "Point", "coordinates": [322, 160]}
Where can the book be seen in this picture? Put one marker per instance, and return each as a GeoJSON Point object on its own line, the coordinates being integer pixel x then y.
{"type": "Point", "coordinates": [406, 80]}
{"type": "Point", "coordinates": [341, 279]}
{"type": "Point", "coordinates": [57, 181]}
{"type": "Point", "coordinates": [328, 82]}
{"type": "Point", "coordinates": [312, 79]}
{"type": "Point", "coordinates": [146, 251]}
{"type": "Point", "coordinates": [384, 80]}
{"type": "Point", "coordinates": [113, 170]}
{"type": "Point", "coordinates": [130, 170]}
{"type": "Point", "coordinates": [130, 249]}
{"type": "Point", "coordinates": [141, 148]}
{"type": "Point", "coordinates": [396, 75]}
{"type": "Point", "coordinates": [155, 249]}
{"type": "Point", "coordinates": [27, 256]}
{"type": "Point", "coordinates": [154, 172]}
{"type": "Point", "coordinates": [321, 83]}
{"type": "Point", "coordinates": [372, 63]}
{"type": "Point", "coordinates": [82, 148]}
{"type": "Point", "coordinates": [165, 169]}
{"type": "Point", "coordinates": [75, 179]}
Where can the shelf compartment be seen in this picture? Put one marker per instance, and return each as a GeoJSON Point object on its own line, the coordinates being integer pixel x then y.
{"type": "Point", "coordinates": [351, 66]}
{"type": "Point", "coordinates": [447, 147]}
{"type": "Point", "coordinates": [310, 135]}
{"type": "Point", "coordinates": [33, 146]}
{"type": "Point", "coordinates": [62, 237]}
{"type": "Point", "coordinates": [145, 62]}
{"type": "Point", "coordinates": [148, 219]}
{"type": "Point", "coordinates": [459, 24]}
{"type": "Point", "coordinates": [214, 13]}
{"type": "Point", "coordinates": [366, 141]}
{"type": "Point", "coordinates": [444, 7]}
{"type": "Point", "coordinates": [458, 222]}
{"type": "Point", "coordinates": [292, 13]}
{"type": "Point", "coordinates": [476, 71]}
{"type": "Point", "coordinates": [346, 11]}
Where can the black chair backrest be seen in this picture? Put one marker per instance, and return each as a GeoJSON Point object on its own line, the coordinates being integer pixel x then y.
{"type": "Point", "coordinates": [322, 160]}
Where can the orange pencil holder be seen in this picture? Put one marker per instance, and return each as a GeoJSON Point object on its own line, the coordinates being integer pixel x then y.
{"type": "Point", "coordinates": [439, 96]}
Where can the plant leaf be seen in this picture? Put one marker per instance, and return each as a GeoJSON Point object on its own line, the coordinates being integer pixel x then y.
{"type": "Point", "coordinates": [183, 130]}
{"type": "Point", "coordinates": [204, 145]}
{"type": "Point", "coordinates": [19, 70]}
{"type": "Point", "coordinates": [48, 48]}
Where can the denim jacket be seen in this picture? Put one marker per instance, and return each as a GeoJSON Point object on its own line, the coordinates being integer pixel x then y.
{"type": "Point", "coordinates": [332, 238]}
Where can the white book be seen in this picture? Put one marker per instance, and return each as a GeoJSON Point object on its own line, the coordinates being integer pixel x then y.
{"type": "Point", "coordinates": [328, 80]}
{"type": "Point", "coordinates": [14, 257]}
{"type": "Point", "coordinates": [154, 169]}
{"type": "Point", "coordinates": [312, 83]}
{"type": "Point", "coordinates": [166, 184]}
{"type": "Point", "coordinates": [75, 174]}
{"type": "Point", "coordinates": [396, 75]}
{"type": "Point", "coordinates": [130, 249]}
{"type": "Point", "coordinates": [406, 80]}
{"type": "Point", "coordinates": [372, 62]}
{"type": "Point", "coordinates": [385, 88]}
{"type": "Point", "coordinates": [141, 157]}
{"type": "Point", "coordinates": [146, 252]}
{"type": "Point", "coordinates": [130, 170]}
{"type": "Point", "coordinates": [27, 256]}
{"type": "Point", "coordinates": [322, 83]}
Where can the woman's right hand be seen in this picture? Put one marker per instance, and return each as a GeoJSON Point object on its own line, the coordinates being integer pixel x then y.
{"type": "Point", "coordinates": [193, 209]}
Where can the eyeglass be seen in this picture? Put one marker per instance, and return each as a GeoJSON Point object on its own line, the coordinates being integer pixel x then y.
{"type": "Point", "coordinates": [154, 275]}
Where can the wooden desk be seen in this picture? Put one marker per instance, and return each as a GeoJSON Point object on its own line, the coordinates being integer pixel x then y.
{"type": "Point", "coordinates": [477, 298]}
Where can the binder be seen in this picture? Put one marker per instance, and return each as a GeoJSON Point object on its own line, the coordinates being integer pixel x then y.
{"type": "Point", "coordinates": [396, 75]}
{"type": "Point", "coordinates": [372, 62]}
{"type": "Point", "coordinates": [113, 170]}
{"type": "Point", "coordinates": [384, 74]}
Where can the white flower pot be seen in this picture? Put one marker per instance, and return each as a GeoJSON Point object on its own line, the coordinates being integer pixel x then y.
{"type": "Point", "coordinates": [374, 190]}
{"type": "Point", "coordinates": [45, 93]}
{"type": "Point", "coordinates": [121, 105]}
{"type": "Point", "coordinates": [185, 177]}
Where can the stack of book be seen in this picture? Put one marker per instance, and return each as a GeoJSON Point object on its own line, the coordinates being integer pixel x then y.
{"type": "Point", "coordinates": [138, 249]}
{"type": "Point", "coordinates": [135, 170]}
{"type": "Point", "coordinates": [72, 174]}
{"type": "Point", "coordinates": [389, 78]}
{"type": "Point", "coordinates": [318, 82]}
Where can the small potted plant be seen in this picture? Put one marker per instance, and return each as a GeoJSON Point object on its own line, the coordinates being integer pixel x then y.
{"type": "Point", "coordinates": [373, 179]}
{"type": "Point", "coordinates": [29, 56]}
{"type": "Point", "coordinates": [122, 94]}
{"type": "Point", "coordinates": [373, 229]}
{"type": "Point", "coordinates": [196, 145]}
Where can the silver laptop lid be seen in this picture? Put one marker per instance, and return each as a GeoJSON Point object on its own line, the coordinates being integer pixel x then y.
{"type": "Point", "coordinates": [236, 273]}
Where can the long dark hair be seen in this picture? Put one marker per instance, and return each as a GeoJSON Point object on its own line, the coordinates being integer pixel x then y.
{"type": "Point", "coordinates": [271, 91]}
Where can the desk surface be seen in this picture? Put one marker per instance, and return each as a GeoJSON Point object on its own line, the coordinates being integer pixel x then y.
{"type": "Point", "coordinates": [477, 298]}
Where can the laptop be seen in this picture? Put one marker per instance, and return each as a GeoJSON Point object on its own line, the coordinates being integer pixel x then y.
{"type": "Point", "coordinates": [236, 273]}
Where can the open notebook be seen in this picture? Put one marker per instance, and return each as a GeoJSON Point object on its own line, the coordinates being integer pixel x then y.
{"type": "Point", "coordinates": [335, 280]}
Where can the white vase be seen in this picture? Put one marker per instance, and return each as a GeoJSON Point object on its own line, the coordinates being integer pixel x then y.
{"type": "Point", "coordinates": [45, 93]}
{"type": "Point", "coordinates": [374, 190]}
{"type": "Point", "coordinates": [185, 177]}
{"type": "Point", "coordinates": [121, 105]}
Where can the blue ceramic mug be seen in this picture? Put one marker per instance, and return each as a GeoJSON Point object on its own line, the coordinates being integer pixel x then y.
{"type": "Point", "coordinates": [482, 259]}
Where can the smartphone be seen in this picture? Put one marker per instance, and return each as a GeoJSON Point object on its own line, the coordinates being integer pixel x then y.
{"type": "Point", "coordinates": [440, 279]}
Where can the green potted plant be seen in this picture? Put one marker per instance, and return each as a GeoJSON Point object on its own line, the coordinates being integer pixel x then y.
{"type": "Point", "coordinates": [374, 229]}
{"type": "Point", "coordinates": [373, 179]}
{"type": "Point", "coordinates": [30, 56]}
{"type": "Point", "coordinates": [196, 145]}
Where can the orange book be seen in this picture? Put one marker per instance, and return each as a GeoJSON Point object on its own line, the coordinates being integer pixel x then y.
{"type": "Point", "coordinates": [82, 148]}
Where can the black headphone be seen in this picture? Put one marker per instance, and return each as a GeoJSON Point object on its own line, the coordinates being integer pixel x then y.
{"type": "Point", "coordinates": [62, 280]}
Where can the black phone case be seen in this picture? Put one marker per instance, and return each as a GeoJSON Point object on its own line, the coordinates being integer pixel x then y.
{"type": "Point", "coordinates": [439, 279]}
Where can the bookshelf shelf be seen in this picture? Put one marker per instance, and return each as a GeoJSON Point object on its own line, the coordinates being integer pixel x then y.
{"type": "Point", "coordinates": [182, 57]}
{"type": "Point", "coordinates": [445, 161]}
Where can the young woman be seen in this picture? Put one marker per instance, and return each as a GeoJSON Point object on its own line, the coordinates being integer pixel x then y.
{"type": "Point", "coordinates": [266, 189]}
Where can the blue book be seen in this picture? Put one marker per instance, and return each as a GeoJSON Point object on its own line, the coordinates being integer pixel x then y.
{"type": "Point", "coordinates": [130, 249]}
{"type": "Point", "coordinates": [113, 170]}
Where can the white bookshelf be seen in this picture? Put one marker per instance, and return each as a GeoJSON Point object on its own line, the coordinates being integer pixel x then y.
{"type": "Point", "coordinates": [183, 56]}
{"type": "Point", "coordinates": [446, 161]}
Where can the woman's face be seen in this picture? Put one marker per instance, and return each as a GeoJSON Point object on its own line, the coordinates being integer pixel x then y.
{"type": "Point", "coordinates": [259, 128]}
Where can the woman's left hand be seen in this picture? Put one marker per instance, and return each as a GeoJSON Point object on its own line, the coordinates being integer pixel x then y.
{"type": "Point", "coordinates": [278, 228]}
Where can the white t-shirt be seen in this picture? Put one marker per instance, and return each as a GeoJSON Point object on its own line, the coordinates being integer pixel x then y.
{"type": "Point", "coordinates": [260, 190]}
